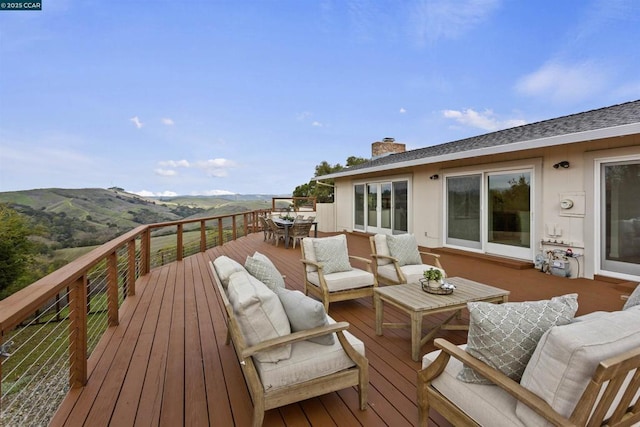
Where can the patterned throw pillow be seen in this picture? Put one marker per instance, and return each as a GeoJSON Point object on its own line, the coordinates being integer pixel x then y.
{"type": "Point", "coordinates": [634, 298]}
{"type": "Point", "coordinates": [405, 248]}
{"type": "Point", "coordinates": [304, 313]}
{"type": "Point", "coordinates": [332, 253]}
{"type": "Point", "coordinates": [261, 267]}
{"type": "Point", "coordinates": [505, 335]}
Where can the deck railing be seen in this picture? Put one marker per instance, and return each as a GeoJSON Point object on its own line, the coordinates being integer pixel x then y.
{"type": "Point", "coordinates": [49, 329]}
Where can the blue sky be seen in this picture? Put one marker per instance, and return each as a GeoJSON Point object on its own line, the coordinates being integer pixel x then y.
{"type": "Point", "coordinates": [200, 97]}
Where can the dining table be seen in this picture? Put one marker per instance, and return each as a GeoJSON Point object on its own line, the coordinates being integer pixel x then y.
{"type": "Point", "coordinates": [287, 223]}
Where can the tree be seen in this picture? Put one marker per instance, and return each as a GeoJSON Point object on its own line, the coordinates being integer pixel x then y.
{"type": "Point", "coordinates": [16, 250]}
{"type": "Point", "coordinates": [322, 189]}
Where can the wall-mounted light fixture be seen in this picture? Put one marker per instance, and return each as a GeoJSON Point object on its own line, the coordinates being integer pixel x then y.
{"type": "Point", "coordinates": [434, 176]}
{"type": "Point", "coordinates": [563, 164]}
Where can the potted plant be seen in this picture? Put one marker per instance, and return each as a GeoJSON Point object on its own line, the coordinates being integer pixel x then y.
{"type": "Point", "coordinates": [432, 279]}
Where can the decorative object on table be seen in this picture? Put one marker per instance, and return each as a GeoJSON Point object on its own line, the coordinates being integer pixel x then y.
{"type": "Point", "coordinates": [394, 257]}
{"type": "Point", "coordinates": [433, 282]}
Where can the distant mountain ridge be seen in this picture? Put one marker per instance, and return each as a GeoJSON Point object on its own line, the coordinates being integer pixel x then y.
{"type": "Point", "coordinates": [90, 216]}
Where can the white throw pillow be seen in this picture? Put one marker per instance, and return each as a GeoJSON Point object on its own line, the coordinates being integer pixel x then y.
{"type": "Point", "coordinates": [259, 313]}
{"type": "Point", "coordinates": [634, 298]}
{"type": "Point", "coordinates": [505, 335]}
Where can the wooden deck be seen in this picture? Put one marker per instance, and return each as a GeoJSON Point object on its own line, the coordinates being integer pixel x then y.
{"type": "Point", "coordinates": [167, 362]}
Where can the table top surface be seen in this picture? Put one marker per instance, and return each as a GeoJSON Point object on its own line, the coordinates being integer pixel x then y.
{"type": "Point", "coordinates": [414, 298]}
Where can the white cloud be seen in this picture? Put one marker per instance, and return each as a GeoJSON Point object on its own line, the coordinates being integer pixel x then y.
{"type": "Point", "coordinates": [445, 19]}
{"type": "Point", "coordinates": [167, 121]}
{"type": "Point", "coordinates": [136, 121]}
{"type": "Point", "coordinates": [485, 120]}
{"type": "Point", "coordinates": [316, 124]}
{"type": "Point", "coordinates": [165, 172]}
{"type": "Point", "coordinates": [174, 163]}
{"type": "Point", "coordinates": [146, 193]}
{"type": "Point", "coordinates": [216, 167]}
{"type": "Point", "coordinates": [402, 111]}
{"type": "Point", "coordinates": [212, 193]}
{"type": "Point", "coordinates": [562, 82]}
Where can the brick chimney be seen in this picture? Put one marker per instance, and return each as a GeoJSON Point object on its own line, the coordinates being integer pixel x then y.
{"type": "Point", "coordinates": [386, 147]}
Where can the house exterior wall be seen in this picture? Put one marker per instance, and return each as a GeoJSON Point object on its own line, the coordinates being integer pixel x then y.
{"type": "Point", "coordinates": [576, 227]}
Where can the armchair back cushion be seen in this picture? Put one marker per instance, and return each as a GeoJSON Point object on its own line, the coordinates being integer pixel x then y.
{"type": "Point", "coordinates": [225, 267]}
{"type": "Point", "coordinates": [567, 356]}
{"type": "Point", "coordinates": [382, 248]}
{"type": "Point", "coordinates": [339, 241]}
{"type": "Point", "coordinates": [404, 247]}
{"type": "Point", "coordinates": [259, 313]}
{"type": "Point", "coordinates": [332, 253]}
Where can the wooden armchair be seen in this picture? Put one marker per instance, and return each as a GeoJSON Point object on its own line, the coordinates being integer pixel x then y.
{"type": "Point", "coordinates": [390, 270]}
{"type": "Point", "coordinates": [319, 369]}
{"type": "Point", "coordinates": [614, 408]}
{"type": "Point", "coordinates": [329, 275]}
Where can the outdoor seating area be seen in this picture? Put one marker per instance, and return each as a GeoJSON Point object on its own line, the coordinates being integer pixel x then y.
{"type": "Point", "coordinates": [290, 231]}
{"type": "Point", "coordinates": [171, 359]}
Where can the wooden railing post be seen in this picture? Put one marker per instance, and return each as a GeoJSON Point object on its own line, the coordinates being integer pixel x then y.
{"type": "Point", "coordinates": [220, 232]}
{"type": "Point", "coordinates": [203, 236]}
{"type": "Point", "coordinates": [131, 268]}
{"type": "Point", "coordinates": [245, 223]}
{"type": "Point", "coordinates": [112, 288]}
{"type": "Point", "coordinates": [78, 333]}
{"type": "Point", "coordinates": [145, 249]}
{"type": "Point", "coordinates": [234, 234]}
{"type": "Point", "coordinates": [180, 248]}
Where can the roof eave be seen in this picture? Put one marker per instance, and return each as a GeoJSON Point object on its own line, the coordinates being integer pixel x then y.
{"type": "Point", "coordinates": [590, 135]}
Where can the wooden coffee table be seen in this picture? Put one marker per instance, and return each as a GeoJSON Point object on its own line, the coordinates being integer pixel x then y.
{"type": "Point", "coordinates": [417, 303]}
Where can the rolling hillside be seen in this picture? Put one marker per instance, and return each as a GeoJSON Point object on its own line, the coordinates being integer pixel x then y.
{"type": "Point", "coordinates": [66, 218]}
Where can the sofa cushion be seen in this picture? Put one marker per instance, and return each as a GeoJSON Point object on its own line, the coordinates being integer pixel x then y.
{"type": "Point", "coordinates": [259, 313]}
{"type": "Point", "coordinates": [225, 267]}
{"type": "Point", "coordinates": [489, 405]}
{"type": "Point", "coordinates": [505, 335]}
{"type": "Point", "coordinates": [304, 313]}
{"type": "Point", "coordinates": [308, 361]}
{"type": "Point", "coordinates": [405, 248]}
{"type": "Point", "coordinates": [634, 299]}
{"type": "Point", "coordinates": [352, 279]}
{"type": "Point", "coordinates": [566, 357]}
{"type": "Point", "coordinates": [261, 267]}
{"type": "Point", "coordinates": [380, 240]}
{"type": "Point", "coordinates": [332, 253]}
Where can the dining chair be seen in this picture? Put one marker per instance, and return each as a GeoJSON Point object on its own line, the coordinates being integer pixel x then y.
{"type": "Point", "coordinates": [277, 232]}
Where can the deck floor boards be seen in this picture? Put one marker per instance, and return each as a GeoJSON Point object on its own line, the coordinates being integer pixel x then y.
{"type": "Point", "coordinates": [167, 362]}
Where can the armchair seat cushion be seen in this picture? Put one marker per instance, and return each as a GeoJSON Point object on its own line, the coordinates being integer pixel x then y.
{"type": "Point", "coordinates": [343, 280]}
{"type": "Point", "coordinates": [411, 272]}
{"type": "Point", "coordinates": [308, 361]}
{"type": "Point", "coordinates": [489, 405]}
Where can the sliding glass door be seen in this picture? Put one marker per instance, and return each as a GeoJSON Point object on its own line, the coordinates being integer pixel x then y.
{"type": "Point", "coordinates": [490, 212]}
{"type": "Point", "coordinates": [463, 211]}
{"type": "Point", "coordinates": [620, 217]}
{"type": "Point", "coordinates": [509, 214]}
{"type": "Point", "coordinates": [381, 207]}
